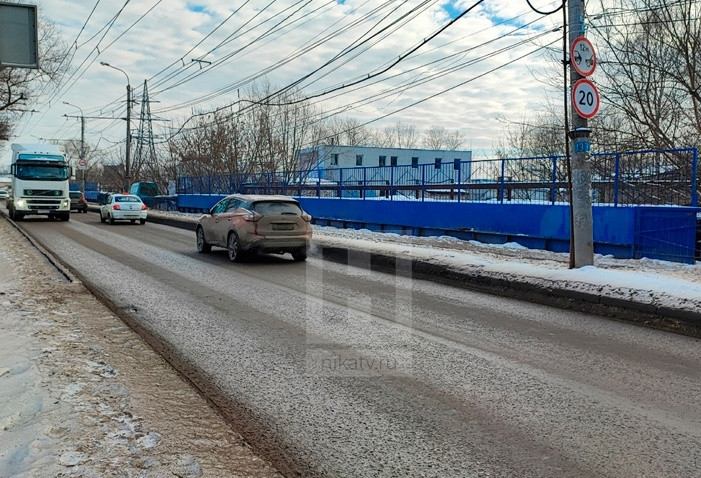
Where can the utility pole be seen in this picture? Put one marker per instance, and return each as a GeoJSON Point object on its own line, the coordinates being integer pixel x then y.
{"type": "Point", "coordinates": [127, 165]}
{"type": "Point", "coordinates": [82, 150]}
{"type": "Point", "coordinates": [127, 162]}
{"type": "Point", "coordinates": [582, 215]}
{"type": "Point", "coordinates": [81, 154]}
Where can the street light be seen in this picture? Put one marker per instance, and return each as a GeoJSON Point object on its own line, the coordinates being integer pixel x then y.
{"type": "Point", "coordinates": [81, 156]}
{"type": "Point", "coordinates": [127, 164]}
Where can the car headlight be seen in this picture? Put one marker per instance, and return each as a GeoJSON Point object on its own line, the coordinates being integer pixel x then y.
{"type": "Point", "coordinates": [21, 203]}
{"type": "Point", "coordinates": [66, 203]}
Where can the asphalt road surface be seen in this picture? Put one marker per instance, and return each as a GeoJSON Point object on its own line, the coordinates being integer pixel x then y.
{"type": "Point", "coordinates": [336, 370]}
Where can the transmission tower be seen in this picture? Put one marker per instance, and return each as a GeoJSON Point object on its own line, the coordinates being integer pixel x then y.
{"type": "Point", "coordinates": [145, 158]}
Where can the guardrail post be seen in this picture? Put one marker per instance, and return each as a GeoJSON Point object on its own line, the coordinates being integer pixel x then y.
{"type": "Point", "coordinates": [340, 183]}
{"type": "Point", "coordinates": [459, 171]}
{"type": "Point", "coordinates": [365, 182]}
{"type": "Point", "coordinates": [617, 177]}
{"type": "Point", "coordinates": [553, 189]}
{"type": "Point", "coordinates": [694, 178]}
{"type": "Point", "coordinates": [391, 183]}
{"type": "Point", "coordinates": [501, 183]}
{"type": "Point", "coordinates": [423, 182]}
{"type": "Point", "coordinates": [318, 185]}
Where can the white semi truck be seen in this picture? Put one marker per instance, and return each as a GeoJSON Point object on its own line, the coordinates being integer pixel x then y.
{"type": "Point", "coordinates": [40, 176]}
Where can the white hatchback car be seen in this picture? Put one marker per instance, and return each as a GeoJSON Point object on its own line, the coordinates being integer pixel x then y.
{"type": "Point", "coordinates": [123, 207]}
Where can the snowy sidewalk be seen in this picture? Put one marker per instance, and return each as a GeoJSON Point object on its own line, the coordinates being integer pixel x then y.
{"type": "Point", "coordinates": [81, 394]}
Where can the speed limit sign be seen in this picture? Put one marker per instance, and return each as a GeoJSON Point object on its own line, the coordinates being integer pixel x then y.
{"type": "Point", "coordinates": [585, 98]}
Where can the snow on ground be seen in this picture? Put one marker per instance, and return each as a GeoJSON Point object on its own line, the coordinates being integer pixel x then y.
{"type": "Point", "coordinates": [81, 394]}
{"type": "Point", "coordinates": [647, 281]}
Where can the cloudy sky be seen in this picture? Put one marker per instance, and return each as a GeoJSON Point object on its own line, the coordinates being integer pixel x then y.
{"type": "Point", "coordinates": [492, 63]}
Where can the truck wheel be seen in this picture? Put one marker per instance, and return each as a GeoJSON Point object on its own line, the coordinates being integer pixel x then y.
{"type": "Point", "coordinates": [66, 216]}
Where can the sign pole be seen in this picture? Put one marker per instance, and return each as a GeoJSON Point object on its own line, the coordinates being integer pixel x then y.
{"type": "Point", "coordinates": [582, 215]}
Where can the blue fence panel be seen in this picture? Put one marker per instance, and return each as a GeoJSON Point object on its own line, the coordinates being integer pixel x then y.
{"type": "Point", "coordinates": [618, 179]}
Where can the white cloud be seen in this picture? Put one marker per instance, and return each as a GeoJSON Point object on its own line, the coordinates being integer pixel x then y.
{"type": "Point", "coordinates": [166, 34]}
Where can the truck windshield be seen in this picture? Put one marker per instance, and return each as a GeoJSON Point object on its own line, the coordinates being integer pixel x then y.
{"type": "Point", "coordinates": [41, 172]}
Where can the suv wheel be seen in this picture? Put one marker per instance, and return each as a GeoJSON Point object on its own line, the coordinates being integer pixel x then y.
{"type": "Point", "coordinates": [300, 255]}
{"type": "Point", "coordinates": [233, 248]}
{"type": "Point", "coordinates": [202, 245]}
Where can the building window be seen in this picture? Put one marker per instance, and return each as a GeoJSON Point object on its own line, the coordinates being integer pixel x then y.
{"type": "Point", "coordinates": [456, 164]}
{"type": "Point", "coordinates": [415, 162]}
{"type": "Point", "coordinates": [437, 164]}
{"type": "Point", "coordinates": [393, 160]}
{"type": "Point", "coordinates": [358, 159]}
{"type": "Point", "coordinates": [334, 159]}
{"type": "Point", "coordinates": [382, 161]}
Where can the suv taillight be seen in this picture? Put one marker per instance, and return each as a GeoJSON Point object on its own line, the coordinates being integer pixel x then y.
{"type": "Point", "coordinates": [252, 217]}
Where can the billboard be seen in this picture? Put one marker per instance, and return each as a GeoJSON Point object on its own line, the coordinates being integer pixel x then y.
{"type": "Point", "coordinates": [19, 47]}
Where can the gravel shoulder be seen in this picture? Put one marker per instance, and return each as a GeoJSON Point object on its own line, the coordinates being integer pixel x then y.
{"type": "Point", "coordinates": [81, 394]}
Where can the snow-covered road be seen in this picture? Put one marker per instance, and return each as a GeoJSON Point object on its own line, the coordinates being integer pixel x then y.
{"type": "Point", "coordinates": [467, 383]}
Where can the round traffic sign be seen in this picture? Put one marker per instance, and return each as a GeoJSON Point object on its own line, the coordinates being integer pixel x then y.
{"type": "Point", "coordinates": [82, 164]}
{"type": "Point", "coordinates": [582, 56]}
{"type": "Point", "coordinates": [585, 98]}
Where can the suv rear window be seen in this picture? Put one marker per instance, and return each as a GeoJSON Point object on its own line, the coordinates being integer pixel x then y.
{"type": "Point", "coordinates": [277, 207]}
{"type": "Point", "coordinates": [76, 195]}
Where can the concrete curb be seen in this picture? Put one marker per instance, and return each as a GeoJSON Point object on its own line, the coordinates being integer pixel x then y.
{"type": "Point", "coordinates": [680, 321]}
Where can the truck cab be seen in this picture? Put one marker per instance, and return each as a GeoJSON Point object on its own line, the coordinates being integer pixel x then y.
{"type": "Point", "coordinates": [40, 182]}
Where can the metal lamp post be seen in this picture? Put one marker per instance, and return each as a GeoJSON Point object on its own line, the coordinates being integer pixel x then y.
{"type": "Point", "coordinates": [127, 164]}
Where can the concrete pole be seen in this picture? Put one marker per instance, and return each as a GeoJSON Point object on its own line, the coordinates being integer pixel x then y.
{"type": "Point", "coordinates": [583, 227]}
{"type": "Point", "coordinates": [127, 164]}
{"type": "Point", "coordinates": [82, 148]}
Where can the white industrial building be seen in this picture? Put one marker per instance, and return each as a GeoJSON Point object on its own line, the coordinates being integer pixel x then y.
{"type": "Point", "coordinates": [327, 157]}
{"type": "Point", "coordinates": [362, 171]}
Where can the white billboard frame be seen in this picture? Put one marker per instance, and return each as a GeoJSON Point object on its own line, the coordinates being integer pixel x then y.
{"type": "Point", "coordinates": [19, 40]}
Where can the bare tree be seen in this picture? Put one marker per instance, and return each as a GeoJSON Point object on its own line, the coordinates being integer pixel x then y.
{"type": "Point", "coordinates": [651, 70]}
{"type": "Point", "coordinates": [397, 135]}
{"type": "Point", "coordinates": [259, 138]}
{"type": "Point", "coordinates": [348, 132]}
{"type": "Point", "coordinates": [438, 137]}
